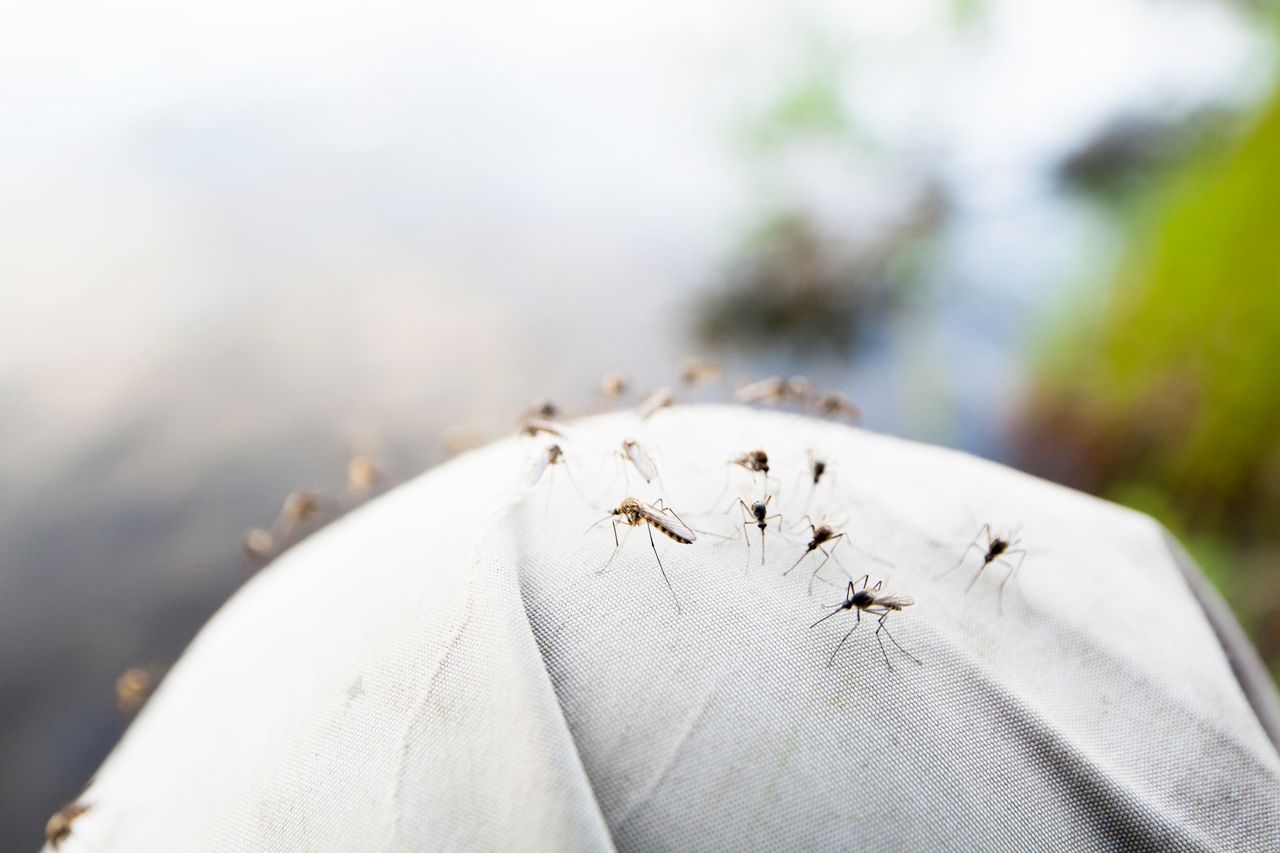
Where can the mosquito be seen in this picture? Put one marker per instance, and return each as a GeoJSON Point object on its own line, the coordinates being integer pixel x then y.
{"type": "Point", "coordinates": [636, 455]}
{"type": "Point", "coordinates": [637, 513]}
{"type": "Point", "coordinates": [551, 457]}
{"type": "Point", "coordinates": [771, 390]}
{"type": "Point", "coordinates": [817, 468]}
{"type": "Point", "coordinates": [875, 601]}
{"type": "Point", "coordinates": [998, 549]}
{"type": "Point", "coordinates": [757, 514]}
{"type": "Point", "coordinates": [695, 371]}
{"type": "Point", "coordinates": [822, 534]}
{"type": "Point", "coordinates": [798, 389]}
{"type": "Point", "coordinates": [363, 475]}
{"type": "Point", "coordinates": [133, 687]}
{"type": "Point", "coordinates": [660, 399]}
{"type": "Point", "coordinates": [531, 426]}
{"type": "Point", "coordinates": [755, 461]}
{"type": "Point", "coordinates": [613, 385]}
{"type": "Point", "coordinates": [58, 829]}
{"type": "Point", "coordinates": [546, 410]}
{"type": "Point", "coordinates": [836, 405]}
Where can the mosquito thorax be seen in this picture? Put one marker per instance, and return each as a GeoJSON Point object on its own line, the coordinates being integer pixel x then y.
{"type": "Point", "coordinates": [861, 599]}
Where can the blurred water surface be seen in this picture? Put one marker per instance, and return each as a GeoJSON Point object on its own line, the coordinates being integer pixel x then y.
{"type": "Point", "coordinates": [244, 241]}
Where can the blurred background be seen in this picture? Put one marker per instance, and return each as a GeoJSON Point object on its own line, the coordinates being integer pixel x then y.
{"type": "Point", "coordinates": [241, 243]}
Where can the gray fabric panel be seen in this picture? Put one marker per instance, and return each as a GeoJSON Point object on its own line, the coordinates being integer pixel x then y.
{"type": "Point", "coordinates": [449, 669]}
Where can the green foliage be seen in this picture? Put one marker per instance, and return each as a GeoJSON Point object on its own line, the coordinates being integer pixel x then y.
{"type": "Point", "coordinates": [1186, 363]}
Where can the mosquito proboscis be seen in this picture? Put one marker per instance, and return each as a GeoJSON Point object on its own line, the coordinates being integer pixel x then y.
{"type": "Point", "coordinates": [874, 601]}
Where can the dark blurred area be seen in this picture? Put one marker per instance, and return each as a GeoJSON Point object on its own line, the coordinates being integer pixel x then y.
{"type": "Point", "coordinates": [247, 244]}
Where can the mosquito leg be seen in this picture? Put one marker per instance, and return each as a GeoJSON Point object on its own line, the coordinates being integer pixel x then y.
{"type": "Point", "coordinates": [551, 479]}
{"type": "Point", "coordinates": [807, 552]}
{"type": "Point", "coordinates": [885, 628]}
{"type": "Point", "coordinates": [977, 575]}
{"type": "Point", "coordinates": [963, 556]}
{"type": "Point", "coordinates": [574, 482]}
{"type": "Point", "coordinates": [723, 492]}
{"type": "Point", "coordinates": [832, 659]}
{"type": "Point", "coordinates": [616, 546]}
{"type": "Point", "coordinates": [1022, 555]}
{"type": "Point", "coordinates": [649, 528]}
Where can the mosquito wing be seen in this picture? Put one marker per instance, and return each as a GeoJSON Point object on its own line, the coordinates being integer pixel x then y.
{"type": "Point", "coordinates": [894, 600]}
{"type": "Point", "coordinates": [641, 460]}
{"type": "Point", "coordinates": [538, 468]}
{"type": "Point", "coordinates": [668, 524]}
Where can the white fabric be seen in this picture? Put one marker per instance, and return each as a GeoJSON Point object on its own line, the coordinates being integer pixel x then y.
{"type": "Point", "coordinates": [446, 669]}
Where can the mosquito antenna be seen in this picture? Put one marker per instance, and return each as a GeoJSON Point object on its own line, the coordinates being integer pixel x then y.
{"type": "Point", "coordinates": [599, 522]}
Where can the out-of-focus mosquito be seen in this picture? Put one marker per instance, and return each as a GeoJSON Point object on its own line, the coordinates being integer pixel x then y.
{"type": "Point", "coordinates": [298, 510]}
{"type": "Point", "coordinates": [695, 371]}
{"type": "Point", "coordinates": [757, 514]}
{"type": "Point", "coordinates": [755, 461]}
{"type": "Point", "coordinates": [635, 454]}
{"type": "Point", "coordinates": [874, 601]}
{"type": "Point", "coordinates": [613, 385]}
{"type": "Point", "coordinates": [532, 426]}
{"type": "Point", "coordinates": [998, 549]}
{"type": "Point", "coordinates": [544, 409]}
{"type": "Point", "coordinates": [459, 438]}
{"type": "Point", "coordinates": [551, 457]}
{"type": "Point", "coordinates": [637, 513]}
{"type": "Point", "coordinates": [813, 473]}
{"type": "Point", "coordinates": [58, 829]}
{"type": "Point", "coordinates": [363, 475]}
{"type": "Point", "coordinates": [798, 390]}
{"type": "Point", "coordinates": [772, 390]}
{"type": "Point", "coordinates": [133, 688]}
{"type": "Point", "coordinates": [660, 399]}
{"type": "Point", "coordinates": [836, 405]}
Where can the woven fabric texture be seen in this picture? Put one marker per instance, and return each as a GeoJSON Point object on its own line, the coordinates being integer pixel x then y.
{"type": "Point", "coordinates": [460, 666]}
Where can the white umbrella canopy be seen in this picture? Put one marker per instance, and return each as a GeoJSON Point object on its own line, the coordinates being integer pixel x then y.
{"type": "Point", "coordinates": [450, 668]}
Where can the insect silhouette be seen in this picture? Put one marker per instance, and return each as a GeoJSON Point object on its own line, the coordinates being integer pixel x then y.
{"type": "Point", "coordinates": [636, 513]}
{"type": "Point", "coordinates": [771, 391]}
{"type": "Point", "coordinates": [757, 515]}
{"type": "Point", "coordinates": [874, 601]}
{"type": "Point", "coordinates": [58, 828]}
{"type": "Point", "coordinates": [998, 549]}
{"type": "Point", "coordinates": [822, 534]}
